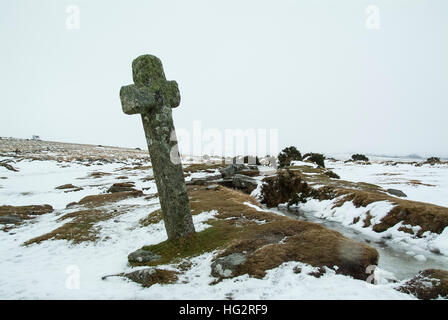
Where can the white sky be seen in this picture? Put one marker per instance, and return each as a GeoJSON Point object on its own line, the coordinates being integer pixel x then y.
{"type": "Point", "coordinates": [308, 68]}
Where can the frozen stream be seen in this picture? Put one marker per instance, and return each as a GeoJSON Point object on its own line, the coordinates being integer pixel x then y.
{"type": "Point", "coordinates": [393, 258]}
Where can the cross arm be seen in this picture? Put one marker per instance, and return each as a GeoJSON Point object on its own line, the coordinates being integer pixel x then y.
{"type": "Point", "coordinates": [172, 94]}
{"type": "Point", "coordinates": [138, 99]}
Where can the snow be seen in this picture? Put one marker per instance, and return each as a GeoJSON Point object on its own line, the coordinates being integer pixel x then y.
{"type": "Point", "coordinates": [57, 269]}
{"type": "Point", "coordinates": [303, 163]}
{"type": "Point", "coordinates": [433, 178]}
{"type": "Point", "coordinates": [441, 242]}
{"type": "Point", "coordinates": [36, 181]}
{"type": "Point", "coordinates": [346, 214]}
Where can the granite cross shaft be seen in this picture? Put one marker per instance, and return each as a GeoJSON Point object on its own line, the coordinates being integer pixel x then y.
{"type": "Point", "coordinates": [153, 96]}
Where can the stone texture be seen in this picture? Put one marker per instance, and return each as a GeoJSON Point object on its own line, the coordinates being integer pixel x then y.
{"type": "Point", "coordinates": [149, 276]}
{"type": "Point", "coordinates": [244, 183]}
{"type": "Point", "coordinates": [203, 180]}
{"type": "Point", "coordinates": [10, 219]}
{"type": "Point", "coordinates": [396, 192]}
{"type": "Point", "coordinates": [233, 169]}
{"type": "Point", "coordinates": [142, 256]}
{"type": "Point", "coordinates": [226, 267]}
{"type": "Point", "coordinates": [153, 96]}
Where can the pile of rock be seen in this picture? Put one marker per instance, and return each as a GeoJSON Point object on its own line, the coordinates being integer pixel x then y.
{"type": "Point", "coordinates": [236, 176]}
{"type": "Point", "coordinates": [239, 176]}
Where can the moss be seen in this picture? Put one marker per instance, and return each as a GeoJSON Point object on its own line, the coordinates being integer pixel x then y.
{"type": "Point", "coordinates": [219, 234]}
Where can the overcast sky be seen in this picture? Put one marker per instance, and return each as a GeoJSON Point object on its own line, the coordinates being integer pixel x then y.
{"type": "Point", "coordinates": [315, 70]}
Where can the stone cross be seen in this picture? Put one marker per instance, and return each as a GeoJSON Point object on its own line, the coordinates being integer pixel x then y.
{"type": "Point", "coordinates": [153, 96]}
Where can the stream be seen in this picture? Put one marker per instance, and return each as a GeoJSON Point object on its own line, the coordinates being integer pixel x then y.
{"type": "Point", "coordinates": [393, 258]}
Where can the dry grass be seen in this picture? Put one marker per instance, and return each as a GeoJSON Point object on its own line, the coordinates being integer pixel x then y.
{"type": "Point", "coordinates": [195, 167]}
{"type": "Point", "coordinates": [428, 216]}
{"type": "Point", "coordinates": [135, 168]}
{"type": "Point", "coordinates": [82, 226]}
{"type": "Point", "coordinates": [26, 212]}
{"type": "Point", "coordinates": [237, 228]}
{"type": "Point", "coordinates": [101, 199]}
{"type": "Point", "coordinates": [66, 186]}
{"type": "Point", "coordinates": [21, 149]}
{"type": "Point", "coordinates": [153, 218]}
{"type": "Point", "coordinates": [428, 284]}
{"type": "Point", "coordinates": [98, 174]}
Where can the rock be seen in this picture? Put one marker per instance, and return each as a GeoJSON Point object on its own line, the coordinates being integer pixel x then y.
{"type": "Point", "coordinates": [428, 284]}
{"type": "Point", "coordinates": [202, 180]}
{"type": "Point", "coordinates": [149, 276]}
{"type": "Point", "coordinates": [141, 276]}
{"type": "Point", "coordinates": [250, 173]}
{"type": "Point", "coordinates": [226, 267]}
{"type": "Point", "coordinates": [10, 219]}
{"type": "Point", "coordinates": [142, 256]}
{"type": "Point", "coordinates": [244, 183]}
{"type": "Point", "coordinates": [233, 169]}
{"type": "Point", "coordinates": [396, 192]}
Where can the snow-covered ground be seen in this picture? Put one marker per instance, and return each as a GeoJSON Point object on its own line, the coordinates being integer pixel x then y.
{"type": "Point", "coordinates": [57, 269]}
{"type": "Point", "coordinates": [426, 183]}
